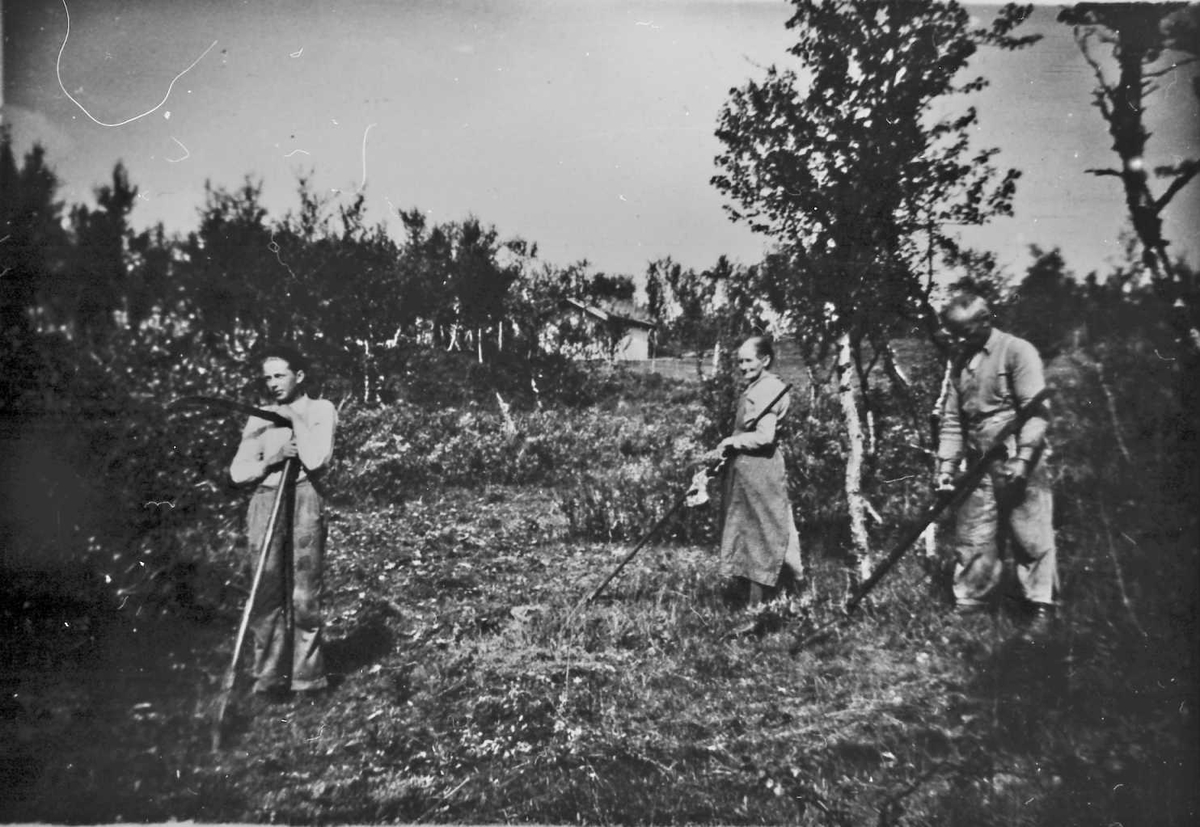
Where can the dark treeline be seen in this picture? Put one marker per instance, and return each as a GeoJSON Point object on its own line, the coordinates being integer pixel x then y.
{"type": "Point", "coordinates": [104, 325]}
{"type": "Point", "coordinates": [80, 279]}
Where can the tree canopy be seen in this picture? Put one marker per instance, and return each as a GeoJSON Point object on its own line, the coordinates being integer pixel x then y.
{"type": "Point", "coordinates": [844, 162]}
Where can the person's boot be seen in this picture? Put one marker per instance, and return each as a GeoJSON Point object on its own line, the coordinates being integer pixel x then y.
{"type": "Point", "coordinates": [754, 601]}
{"type": "Point", "coordinates": [755, 597]}
{"type": "Point", "coordinates": [792, 583]}
{"type": "Point", "coordinates": [1039, 623]}
{"type": "Point", "coordinates": [974, 614]}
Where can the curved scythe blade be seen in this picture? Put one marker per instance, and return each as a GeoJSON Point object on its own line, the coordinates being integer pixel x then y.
{"type": "Point", "coordinates": [216, 403]}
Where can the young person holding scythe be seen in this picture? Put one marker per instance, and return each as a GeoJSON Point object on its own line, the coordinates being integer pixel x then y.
{"type": "Point", "coordinates": [758, 531]}
{"type": "Point", "coordinates": [286, 617]}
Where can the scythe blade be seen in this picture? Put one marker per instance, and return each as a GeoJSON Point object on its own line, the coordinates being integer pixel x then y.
{"type": "Point", "coordinates": [219, 404]}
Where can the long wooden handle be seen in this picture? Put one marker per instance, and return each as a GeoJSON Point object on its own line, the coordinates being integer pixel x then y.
{"type": "Point", "coordinates": [678, 504]}
{"type": "Point", "coordinates": [942, 500]}
{"type": "Point", "coordinates": [662, 521]}
{"type": "Point", "coordinates": [289, 467]}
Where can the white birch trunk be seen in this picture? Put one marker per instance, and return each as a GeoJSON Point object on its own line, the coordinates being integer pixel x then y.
{"type": "Point", "coordinates": [812, 392]}
{"type": "Point", "coordinates": [929, 538]}
{"type": "Point", "coordinates": [859, 565]}
{"type": "Point", "coordinates": [930, 534]}
{"type": "Point", "coordinates": [366, 371]}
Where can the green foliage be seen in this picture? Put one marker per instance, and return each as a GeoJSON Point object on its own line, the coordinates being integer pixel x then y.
{"type": "Point", "coordinates": [841, 162]}
{"type": "Point", "coordinates": [846, 171]}
{"type": "Point", "coordinates": [696, 310]}
{"type": "Point", "coordinates": [104, 327]}
{"type": "Point", "coordinates": [401, 450]}
{"type": "Point", "coordinates": [617, 469]}
{"type": "Point", "coordinates": [1047, 307]}
{"type": "Point", "coordinates": [468, 686]}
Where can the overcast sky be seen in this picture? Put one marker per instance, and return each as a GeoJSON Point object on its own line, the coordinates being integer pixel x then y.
{"type": "Point", "coordinates": [586, 127]}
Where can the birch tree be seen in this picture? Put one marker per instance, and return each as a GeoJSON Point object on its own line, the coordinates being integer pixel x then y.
{"type": "Point", "coordinates": [843, 161]}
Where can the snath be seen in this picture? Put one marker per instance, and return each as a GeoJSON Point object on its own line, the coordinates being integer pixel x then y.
{"type": "Point", "coordinates": [695, 495]}
{"type": "Point", "coordinates": [279, 506]}
{"type": "Point", "coordinates": [941, 501]}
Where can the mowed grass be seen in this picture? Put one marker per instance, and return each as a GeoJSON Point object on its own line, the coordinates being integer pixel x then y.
{"type": "Point", "coordinates": [470, 686]}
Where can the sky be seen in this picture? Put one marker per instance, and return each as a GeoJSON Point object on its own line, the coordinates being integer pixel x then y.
{"type": "Point", "coordinates": [585, 126]}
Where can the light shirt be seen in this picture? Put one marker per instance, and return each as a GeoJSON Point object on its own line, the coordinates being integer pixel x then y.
{"type": "Point", "coordinates": [313, 425]}
{"type": "Point", "coordinates": [985, 392]}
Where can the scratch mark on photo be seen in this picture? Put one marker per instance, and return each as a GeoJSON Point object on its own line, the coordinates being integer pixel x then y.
{"type": "Point", "coordinates": [187, 152]}
{"type": "Point", "coordinates": [82, 108]}
{"type": "Point", "coordinates": [274, 248]}
{"type": "Point", "coordinates": [363, 185]}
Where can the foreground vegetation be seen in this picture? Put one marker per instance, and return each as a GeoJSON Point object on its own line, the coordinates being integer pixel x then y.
{"type": "Point", "coordinates": [487, 479]}
{"type": "Point", "coordinates": [470, 688]}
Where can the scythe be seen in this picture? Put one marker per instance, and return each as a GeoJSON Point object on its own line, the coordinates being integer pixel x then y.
{"type": "Point", "coordinates": [941, 501]}
{"type": "Point", "coordinates": [692, 495]}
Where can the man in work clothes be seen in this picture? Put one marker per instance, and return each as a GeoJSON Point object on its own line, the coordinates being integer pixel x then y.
{"type": "Point", "coordinates": [298, 546]}
{"type": "Point", "coordinates": [992, 376]}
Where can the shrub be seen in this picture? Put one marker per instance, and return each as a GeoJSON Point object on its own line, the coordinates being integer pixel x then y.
{"type": "Point", "coordinates": [101, 475]}
{"type": "Point", "coordinates": [614, 471]}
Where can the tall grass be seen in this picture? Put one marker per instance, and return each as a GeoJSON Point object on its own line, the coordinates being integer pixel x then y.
{"type": "Point", "coordinates": [473, 687]}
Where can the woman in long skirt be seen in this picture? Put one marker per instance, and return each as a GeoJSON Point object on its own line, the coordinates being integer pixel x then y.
{"type": "Point", "coordinates": [758, 531]}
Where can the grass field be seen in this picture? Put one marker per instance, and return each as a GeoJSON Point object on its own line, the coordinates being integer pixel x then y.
{"type": "Point", "coordinates": [467, 690]}
{"type": "Point", "coordinates": [470, 686]}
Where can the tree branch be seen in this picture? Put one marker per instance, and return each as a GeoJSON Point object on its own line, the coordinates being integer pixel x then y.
{"type": "Point", "coordinates": [1181, 180]}
{"type": "Point", "coordinates": [1171, 68]}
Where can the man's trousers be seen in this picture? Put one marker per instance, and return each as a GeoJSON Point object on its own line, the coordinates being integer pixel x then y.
{"type": "Point", "coordinates": [296, 557]}
{"type": "Point", "coordinates": [993, 517]}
